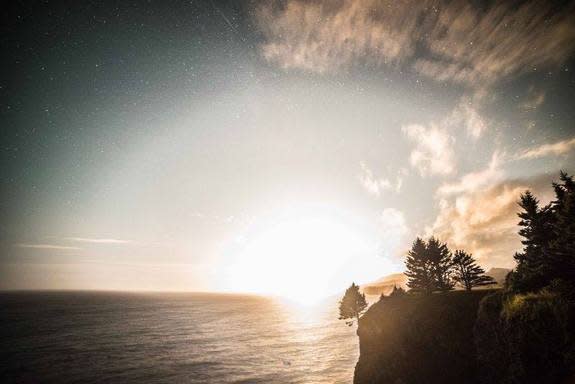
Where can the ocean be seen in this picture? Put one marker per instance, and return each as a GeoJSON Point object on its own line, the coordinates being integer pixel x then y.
{"type": "Point", "coordinates": [84, 337]}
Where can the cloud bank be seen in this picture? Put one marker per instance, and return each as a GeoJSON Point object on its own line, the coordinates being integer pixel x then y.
{"type": "Point", "coordinates": [483, 219]}
{"type": "Point", "coordinates": [464, 42]}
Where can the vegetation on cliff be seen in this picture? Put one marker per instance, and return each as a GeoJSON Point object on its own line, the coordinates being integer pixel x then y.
{"type": "Point", "coordinates": [526, 333]}
{"type": "Point", "coordinates": [432, 267]}
{"type": "Point", "coordinates": [526, 337]}
{"type": "Point", "coordinates": [352, 305]}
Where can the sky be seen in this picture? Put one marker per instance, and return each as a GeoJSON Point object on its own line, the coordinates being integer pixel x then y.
{"type": "Point", "coordinates": [245, 146]}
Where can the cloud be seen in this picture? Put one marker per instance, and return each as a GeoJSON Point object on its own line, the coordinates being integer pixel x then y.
{"type": "Point", "coordinates": [377, 186]}
{"type": "Point", "coordinates": [433, 152]}
{"type": "Point", "coordinates": [98, 240]}
{"type": "Point", "coordinates": [323, 36]}
{"type": "Point", "coordinates": [475, 180]}
{"type": "Point", "coordinates": [393, 227]}
{"type": "Point", "coordinates": [558, 148]}
{"type": "Point", "coordinates": [477, 46]}
{"type": "Point", "coordinates": [484, 221]}
{"type": "Point", "coordinates": [533, 100]}
{"type": "Point", "coordinates": [466, 115]}
{"type": "Point", "coordinates": [434, 145]}
{"type": "Point", "coordinates": [47, 247]}
{"type": "Point", "coordinates": [457, 41]}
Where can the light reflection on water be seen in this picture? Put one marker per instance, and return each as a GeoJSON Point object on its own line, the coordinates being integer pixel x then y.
{"type": "Point", "coordinates": [196, 338]}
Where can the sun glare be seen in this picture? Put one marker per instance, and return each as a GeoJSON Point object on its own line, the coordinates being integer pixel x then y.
{"type": "Point", "coordinates": [302, 258]}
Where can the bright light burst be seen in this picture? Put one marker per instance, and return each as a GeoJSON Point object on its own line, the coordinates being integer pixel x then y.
{"type": "Point", "coordinates": [305, 257]}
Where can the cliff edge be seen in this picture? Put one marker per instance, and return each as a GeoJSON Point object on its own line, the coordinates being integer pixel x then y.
{"type": "Point", "coordinates": [419, 339]}
{"type": "Point", "coordinates": [483, 336]}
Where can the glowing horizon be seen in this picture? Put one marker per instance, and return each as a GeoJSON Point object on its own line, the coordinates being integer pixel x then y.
{"type": "Point", "coordinates": [304, 255]}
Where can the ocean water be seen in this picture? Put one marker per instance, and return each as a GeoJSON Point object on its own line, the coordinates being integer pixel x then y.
{"type": "Point", "coordinates": [85, 337]}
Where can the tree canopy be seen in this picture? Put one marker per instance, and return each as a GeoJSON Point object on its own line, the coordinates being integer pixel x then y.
{"type": "Point", "coordinates": [467, 273]}
{"type": "Point", "coordinates": [418, 265]}
{"type": "Point", "coordinates": [352, 305]}
{"type": "Point", "coordinates": [429, 266]}
{"type": "Point", "coordinates": [548, 239]}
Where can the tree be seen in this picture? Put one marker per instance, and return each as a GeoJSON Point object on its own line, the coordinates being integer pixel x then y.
{"type": "Point", "coordinates": [397, 292]}
{"type": "Point", "coordinates": [548, 239]}
{"type": "Point", "coordinates": [429, 266]}
{"type": "Point", "coordinates": [561, 252]}
{"type": "Point", "coordinates": [467, 273]}
{"type": "Point", "coordinates": [441, 264]}
{"type": "Point", "coordinates": [536, 224]}
{"type": "Point", "coordinates": [419, 270]}
{"type": "Point", "coordinates": [352, 305]}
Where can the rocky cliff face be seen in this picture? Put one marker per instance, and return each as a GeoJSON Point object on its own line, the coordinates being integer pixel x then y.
{"type": "Point", "coordinates": [416, 339]}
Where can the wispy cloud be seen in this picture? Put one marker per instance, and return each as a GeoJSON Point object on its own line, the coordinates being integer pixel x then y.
{"type": "Point", "coordinates": [325, 36]}
{"type": "Point", "coordinates": [434, 144]}
{"type": "Point", "coordinates": [466, 115]}
{"type": "Point", "coordinates": [475, 180]}
{"type": "Point", "coordinates": [480, 45]}
{"type": "Point", "coordinates": [376, 186]}
{"type": "Point", "coordinates": [47, 247]}
{"type": "Point", "coordinates": [533, 100]}
{"type": "Point", "coordinates": [433, 152]}
{"type": "Point", "coordinates": [393, 228]}
{"type": "Point", "coordinates": [458, 41]}
{"type": "Point", "coordinates": [558, 148]}
{"type": "Point", "coordinates": [97, 240]}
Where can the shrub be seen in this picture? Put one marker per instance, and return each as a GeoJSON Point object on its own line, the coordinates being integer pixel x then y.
{"type": "Point", "coordinates": [526, 338]}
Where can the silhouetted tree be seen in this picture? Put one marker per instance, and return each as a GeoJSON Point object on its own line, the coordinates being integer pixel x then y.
{"type": "Point", "coordinates": [561, 252]}
{"type": "Point", "coordinates": [419, 269]}
{"type": "Point", "coordinates": [536, 225]}
{"type": "Point", "coordinates": [429, 266]}
{"type": "Point", "coordinates": [397, 292]}
{"type": "Point", "coordinates": [352, 305]}
{"type": "Point", "coordinates": [548, 239]}
{"type": "Point", "coordinates": [442, 264]}
{"type": "Point", "coordinates": [467, 273]}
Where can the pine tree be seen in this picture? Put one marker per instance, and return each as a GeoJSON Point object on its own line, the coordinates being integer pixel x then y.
{"type": "Point", "coordinates": [441, 264]}
{"type": "Point", "coordinates": [548, 239]}
{"type": "Point", "coordinates": [532, 270]}
{"type": "Point", "coordinates": [467, 273]}
{"type": "Point", "coordinates": [352, 305]}
{"type": "Point", "coordinates": [419, 269]}
{"type": "Point", "coordinates": [561, 253]}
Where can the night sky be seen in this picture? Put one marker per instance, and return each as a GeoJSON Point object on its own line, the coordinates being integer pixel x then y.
{"type": "Point", "coordinates": [149, 144]}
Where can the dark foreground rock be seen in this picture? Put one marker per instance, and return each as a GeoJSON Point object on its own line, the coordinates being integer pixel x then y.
{"type": "Point", "coordinates": [482, 336]}
{"type": "Point", "coordinates": [418, 339]}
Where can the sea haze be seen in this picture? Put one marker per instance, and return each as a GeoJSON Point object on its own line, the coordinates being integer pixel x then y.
{"type": "Point", "coordinates": [71, 337]}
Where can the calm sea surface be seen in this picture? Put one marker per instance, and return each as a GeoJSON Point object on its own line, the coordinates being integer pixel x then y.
{"type": "Point", "coordinates": [171, 338]}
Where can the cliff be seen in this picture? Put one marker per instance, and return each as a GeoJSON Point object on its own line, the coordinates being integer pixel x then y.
{"type": "Point", "coordinates": [483, 336]}
{"type": "Point", "coordinates": [418, 339]}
